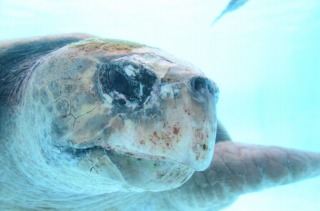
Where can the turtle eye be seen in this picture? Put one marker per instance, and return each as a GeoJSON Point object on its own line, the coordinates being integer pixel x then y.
{"type": "Point", "coordinates": [119, 83]}
{"type": "Point", "coordinates": [125, 81]}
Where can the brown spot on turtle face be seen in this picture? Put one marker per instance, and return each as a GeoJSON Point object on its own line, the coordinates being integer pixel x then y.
{"type": "Point", "coordinates": [204, 147]}
{"type": "Point", "coordinates": [187, 111]}
{"type": "Point", "coordinates": [142, 142]}
{"type": "Point", "coordinates": [165, 137]}
{"type": "Point", "coordinates": [176, 130]}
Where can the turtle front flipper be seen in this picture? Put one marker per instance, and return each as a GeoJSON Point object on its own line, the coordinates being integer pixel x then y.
{"type": "Point", "coordinates": [18, 57]}
{"type": "Point", "coordinates": [241, 168]}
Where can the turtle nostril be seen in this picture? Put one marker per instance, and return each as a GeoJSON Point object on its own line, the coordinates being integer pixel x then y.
{"type": "Point", "coordinates": [201, 84]}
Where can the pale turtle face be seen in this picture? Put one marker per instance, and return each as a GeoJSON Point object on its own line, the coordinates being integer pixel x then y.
{"type": "Point", "coordinates": [127, 112]}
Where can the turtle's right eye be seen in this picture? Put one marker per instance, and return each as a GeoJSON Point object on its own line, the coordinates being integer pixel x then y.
{"type": "Point", "coordinates": [126, 81]}
{"type": "Point", "coordinates": [119, 83]}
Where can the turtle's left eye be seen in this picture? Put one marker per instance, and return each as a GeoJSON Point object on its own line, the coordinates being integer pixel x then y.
{"type": "Point", "coordinates": [126, 81]}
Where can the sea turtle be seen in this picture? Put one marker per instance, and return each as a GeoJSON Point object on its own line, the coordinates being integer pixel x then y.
{"type": "Point", "coordinates": [100, 124]}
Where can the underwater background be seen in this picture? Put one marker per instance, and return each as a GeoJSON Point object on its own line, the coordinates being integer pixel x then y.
{"type": "Point", "coordinates": [265, 57]}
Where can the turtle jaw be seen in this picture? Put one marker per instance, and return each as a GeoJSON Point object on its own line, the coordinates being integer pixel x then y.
{"type": "Point", "coordinates": [132, 173]}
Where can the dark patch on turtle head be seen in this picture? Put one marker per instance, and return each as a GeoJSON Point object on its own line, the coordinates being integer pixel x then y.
{"type": "Point", "coordinates": [126, 82]}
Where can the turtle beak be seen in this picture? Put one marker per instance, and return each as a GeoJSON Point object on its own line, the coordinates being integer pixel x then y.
{"type": "Point", "coordinates": [204, 96]}
{"type": "Point", "coordinates": [197, 146]}
{"type": "Point", "coordinates": [191, 115]}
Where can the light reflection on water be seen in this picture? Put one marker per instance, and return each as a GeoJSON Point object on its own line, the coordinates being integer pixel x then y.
{"type": "Point", "coordinates": [265, 58]}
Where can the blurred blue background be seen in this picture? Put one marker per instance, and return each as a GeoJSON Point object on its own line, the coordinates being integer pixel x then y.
{"type": "Point", "coordinates": [265, 57]}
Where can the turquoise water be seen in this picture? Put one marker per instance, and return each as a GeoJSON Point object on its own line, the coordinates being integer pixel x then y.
{"type": "Point", "coordinates": [265, 57]}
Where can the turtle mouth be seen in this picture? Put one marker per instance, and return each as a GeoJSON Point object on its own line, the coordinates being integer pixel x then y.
{"type": "Point", "coordinates": [85, 151]}
{"type": "Point", "coordinates": [134, 173]}
{"type": "Point", "coordinates": [81, 152]}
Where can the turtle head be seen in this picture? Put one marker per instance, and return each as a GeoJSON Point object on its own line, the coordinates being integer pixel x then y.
{"type": "Point", "coordinates": [127, 112]}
